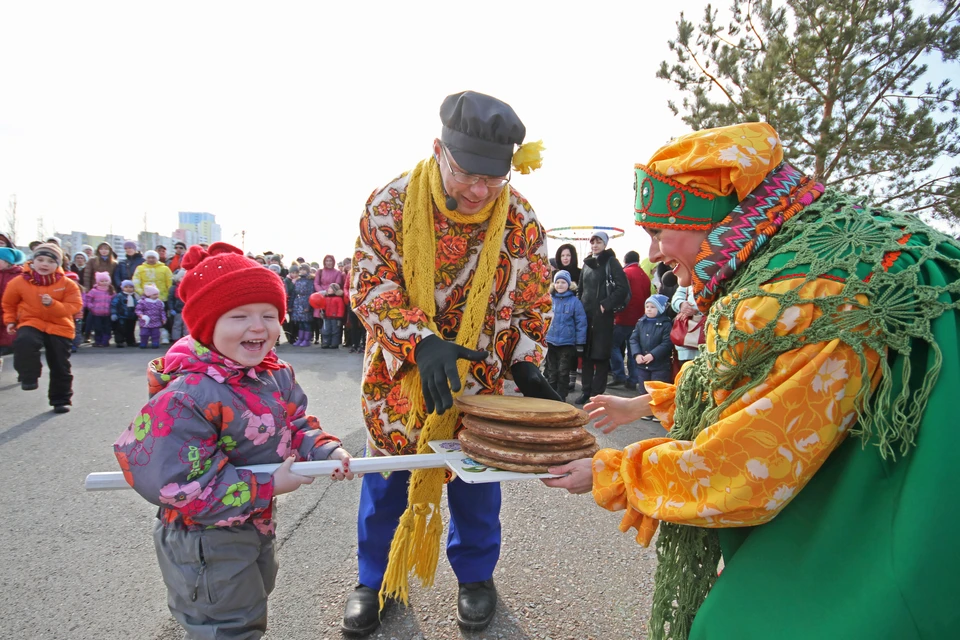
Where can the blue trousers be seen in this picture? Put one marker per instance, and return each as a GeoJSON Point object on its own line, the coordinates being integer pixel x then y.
{"type": "Point", "coordinates": [473, 540]}
{"type": "Point", "coordinates": [621, 341]}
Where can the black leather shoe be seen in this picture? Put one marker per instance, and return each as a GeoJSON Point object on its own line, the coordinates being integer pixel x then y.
{"type": "Point", "coordinates": [361, 613]}
{"type": "Point", "coordinates": [476, 604]}
{"type": "Point", "coordinates": [61, 408]}
{"type": "Point", "coordinates": [582, 399]}
{"type": "Point", "coordinates": [616, 383]}
{"type": "Point", "coordinates": [29, 386]}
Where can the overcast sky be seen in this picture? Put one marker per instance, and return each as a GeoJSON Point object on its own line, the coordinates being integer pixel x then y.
{"type": "Point", "coordinates": [281, 118]}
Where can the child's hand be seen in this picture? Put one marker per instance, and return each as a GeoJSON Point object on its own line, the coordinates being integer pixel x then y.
{"type": "Point", "coordinates": [341, 454]}
{"type": "Point", "coordinates": [113, 317]}
{"type": "Point", "coordinates": [46, 300]}
{"type": "Point", "coordinates": [11, 328]}
{"type": "Point", "coordinates": [285, 481]}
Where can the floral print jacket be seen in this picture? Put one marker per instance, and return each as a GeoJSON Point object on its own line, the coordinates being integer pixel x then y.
{"type": "Point", "coordinates": [517, 318]}
{"type": "Point", "coordinates": [207, 416]}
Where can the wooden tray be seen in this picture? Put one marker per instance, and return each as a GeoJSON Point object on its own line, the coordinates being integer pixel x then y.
{"type": "Point", "coordinates": [505, 452]}
{"type": "Point", "coordinates": [557, 437]}
{"type": "Point", "coordinates": [526, 411]}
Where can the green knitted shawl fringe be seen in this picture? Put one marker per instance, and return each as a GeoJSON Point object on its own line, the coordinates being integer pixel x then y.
{"type": "Point", "coordinates": [841, 238]}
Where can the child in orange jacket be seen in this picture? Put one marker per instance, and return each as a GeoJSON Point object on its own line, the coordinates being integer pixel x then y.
{"type": "Point", "coordinates": [38, 308]}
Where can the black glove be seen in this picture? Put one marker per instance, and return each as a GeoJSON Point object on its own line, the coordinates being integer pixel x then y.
{"type": "Point", "coordinates": [437, 361]}
{"type": "Point", "coordinates": [531, 382]}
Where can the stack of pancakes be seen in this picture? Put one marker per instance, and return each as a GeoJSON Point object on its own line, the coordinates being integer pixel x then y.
{"type": "Point", "coordinates": [523, 434]}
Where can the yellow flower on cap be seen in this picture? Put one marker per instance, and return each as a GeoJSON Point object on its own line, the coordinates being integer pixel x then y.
{"type": "Point", "coordinates": [696, 180]}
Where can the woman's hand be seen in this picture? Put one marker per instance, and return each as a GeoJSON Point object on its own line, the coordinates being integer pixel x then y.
{"type": "Point", "coordinates": [687, 310]}
{"type": "Point", "coordinates": [602, 310]}
{"type": "Point", "coordinates": [285, 480]}
{"type": "Point", "coordinates": [341, 454]}
{"type": "Point", "coordinates": [578, 476]}
{"type": "Point", "coordinates": [614, 411]}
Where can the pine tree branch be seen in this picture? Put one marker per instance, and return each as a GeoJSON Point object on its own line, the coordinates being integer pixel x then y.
{"type": "Point", "coordinates": [869, 110]}
{"type": "Point", "coordinates": [919, 189]}
{"type": "Point", "coordinates": [932, 205]}
{"type": "Point", "coordinates": [763, 47]}
{"type": "Point", "coordinates": [854, 176]}
{"type": "Point", "coordinates": [693, 57]}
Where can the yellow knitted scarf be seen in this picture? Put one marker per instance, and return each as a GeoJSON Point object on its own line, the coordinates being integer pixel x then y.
{"type": "Point", "coordinates": [416, 543]}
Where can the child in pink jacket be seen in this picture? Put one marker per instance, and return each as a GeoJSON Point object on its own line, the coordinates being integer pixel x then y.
{"type": "Point", "coordinates": [221, 399]}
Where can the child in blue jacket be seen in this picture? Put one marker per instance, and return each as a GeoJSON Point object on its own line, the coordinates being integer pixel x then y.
{"type": "Point", "coordinates": [567, 333]}
{"type": "Point", "coordinates": [650, 341]}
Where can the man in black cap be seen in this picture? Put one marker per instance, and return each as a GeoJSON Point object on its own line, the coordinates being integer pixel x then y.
{"type": "Point", "coordinates": [450, 278]}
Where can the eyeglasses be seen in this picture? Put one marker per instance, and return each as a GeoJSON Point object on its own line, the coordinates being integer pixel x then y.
{"type": "Point", "coordinates": [470, 178]}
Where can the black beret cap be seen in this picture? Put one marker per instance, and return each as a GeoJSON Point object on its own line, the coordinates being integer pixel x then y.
{"type": "Point", "coordinates": [480, 132]}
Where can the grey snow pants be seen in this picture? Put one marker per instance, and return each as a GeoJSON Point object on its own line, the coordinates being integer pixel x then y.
{"type": "Point", "coordinates": [217, 580]}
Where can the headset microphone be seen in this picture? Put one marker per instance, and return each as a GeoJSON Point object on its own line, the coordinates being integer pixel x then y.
{"type": "Point", "coordinates": [450, 202]}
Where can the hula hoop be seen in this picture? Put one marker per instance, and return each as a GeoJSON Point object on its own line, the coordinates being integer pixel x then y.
{"type": "Point", "coordinates": [554, 235]}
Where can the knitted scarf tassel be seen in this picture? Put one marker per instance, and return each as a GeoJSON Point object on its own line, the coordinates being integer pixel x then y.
{"type": "Point", "coordinates": [416, 542]}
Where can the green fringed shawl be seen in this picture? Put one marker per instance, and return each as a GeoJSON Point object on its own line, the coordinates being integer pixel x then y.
{"type": "Point", "coordinates": [879, 254]}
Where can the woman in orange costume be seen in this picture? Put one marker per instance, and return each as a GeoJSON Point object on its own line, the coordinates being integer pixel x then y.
{"type": "Point", "coordinates": [806, 442]}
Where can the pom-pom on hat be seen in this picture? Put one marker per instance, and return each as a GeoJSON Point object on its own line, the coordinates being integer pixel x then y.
{"type": "Point", "coordinates": [480, 131]}
{"type": "Point", "coordinates": [659, 301]}
{"type": "Point", "coordinates": [562, 275]}
{"type": "Point", "coordinates": [219, 279]}
{"type": "Point", "coordinates": [50, 250]}
{"type": "Point", "coordinates": [101, 276]}
{"type": "Point", "coordinates": [13, 256]}
{"type": "Point", "coordinates": [695, 181]}
{"type": "Point", "coordinates": [150, 290]}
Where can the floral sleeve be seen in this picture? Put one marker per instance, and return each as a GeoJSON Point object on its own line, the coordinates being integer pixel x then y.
{"type": "Point", "coordinates": [377, 287]}
{"type": "Point", "coordinates": [170, 456]}
{"type": "Point", "coordinates": [532, 305]}
{"type": "Point", "coordinates": [743, 469]}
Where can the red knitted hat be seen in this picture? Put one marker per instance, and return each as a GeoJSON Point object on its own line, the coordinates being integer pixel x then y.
{"type": "Point", "coordinates": [220, 279]}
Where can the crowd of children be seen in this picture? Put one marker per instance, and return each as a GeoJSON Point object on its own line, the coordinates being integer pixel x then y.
{"type": "Point", "coordinates": [647, 341]}
{"type": "Point", "coordinates": [136, 302]}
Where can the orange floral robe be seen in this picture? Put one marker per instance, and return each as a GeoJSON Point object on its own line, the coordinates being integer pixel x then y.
{"type": "Point", "coordinates": [516, 323]}
{"type": "Point", "coordinates": [763, 450]}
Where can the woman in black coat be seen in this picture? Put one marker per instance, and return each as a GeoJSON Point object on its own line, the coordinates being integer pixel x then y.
{"type": "Point", "coordinates": [603, 288]}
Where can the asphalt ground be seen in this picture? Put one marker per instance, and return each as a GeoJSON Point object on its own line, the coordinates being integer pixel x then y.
{"type": "Point", "coordinates": [82, 565]}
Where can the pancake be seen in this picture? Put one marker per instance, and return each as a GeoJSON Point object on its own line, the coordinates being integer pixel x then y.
{"type": "Point", "coordinates": [531, 412]}
{"type": "Point", "coordinates": [557, 437]}
{"type": "Point", "coordinates": [506, 452]}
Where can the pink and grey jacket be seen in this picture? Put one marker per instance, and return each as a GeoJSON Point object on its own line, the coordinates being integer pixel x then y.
{"type": "Point", "coordinates": [98, 301]}
{"type": "Point", "coordinates": [207, 415]}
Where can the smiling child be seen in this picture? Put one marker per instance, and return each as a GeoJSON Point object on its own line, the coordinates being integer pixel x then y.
{"type": "Point", "coordinates": [220, 398]}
